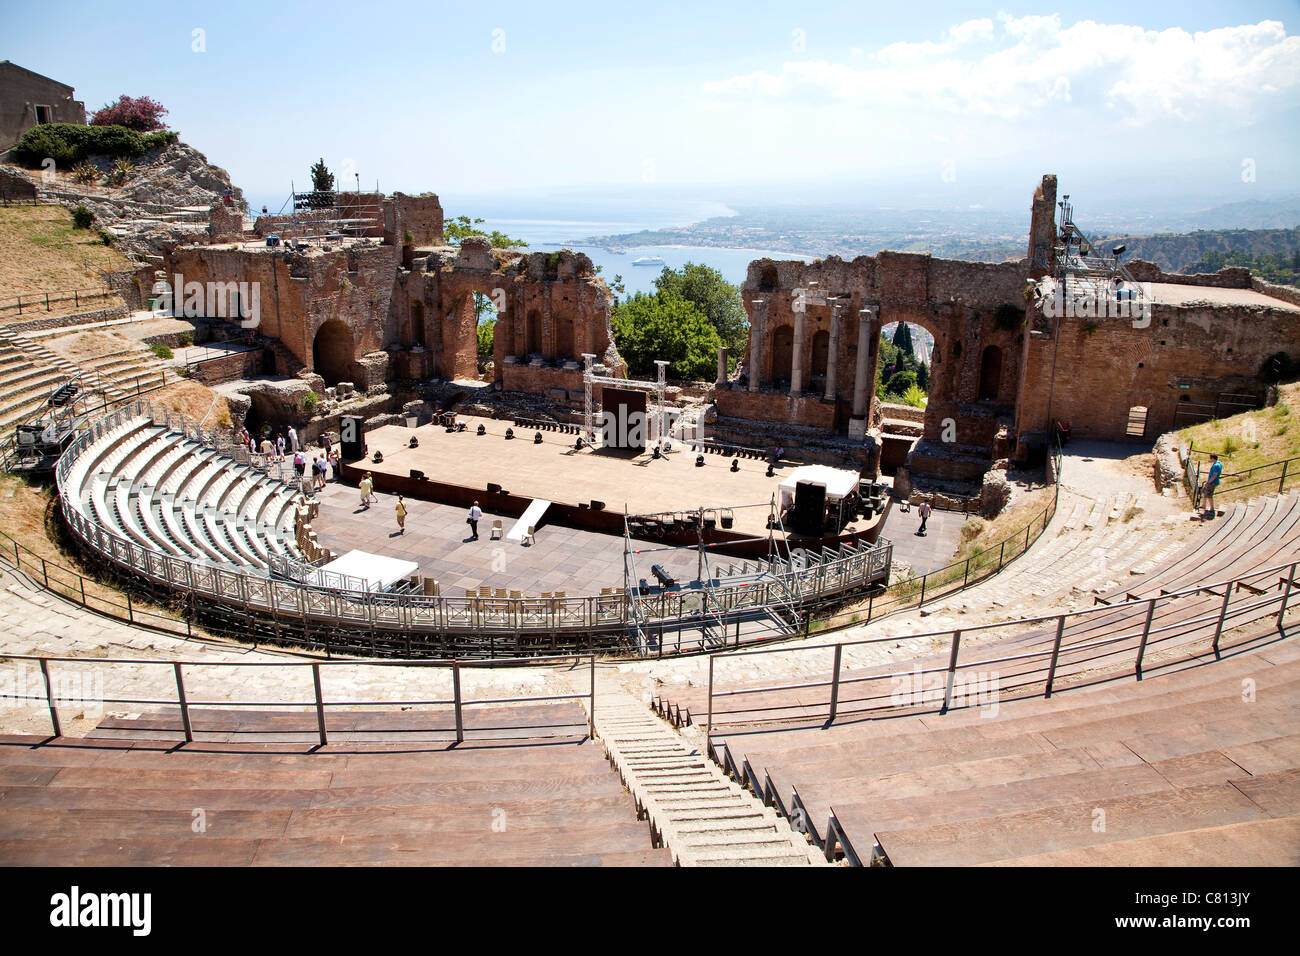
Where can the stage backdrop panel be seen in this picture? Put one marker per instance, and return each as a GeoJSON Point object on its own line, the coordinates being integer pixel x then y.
{"type": "Point", "coordinates": [624, 423]}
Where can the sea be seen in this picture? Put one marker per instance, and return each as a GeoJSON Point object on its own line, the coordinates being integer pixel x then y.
{"type": "Point", "coordinates": [551, 222]}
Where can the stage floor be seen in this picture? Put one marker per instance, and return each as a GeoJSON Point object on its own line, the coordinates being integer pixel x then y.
{"type": "Point", "coordinates": [554, 471]}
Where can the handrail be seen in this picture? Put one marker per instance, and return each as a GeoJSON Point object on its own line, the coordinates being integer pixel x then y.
{"type": "Point", "coordinates": [51, 697]}
{"type": "Point", "coordinates": [1286, 583]}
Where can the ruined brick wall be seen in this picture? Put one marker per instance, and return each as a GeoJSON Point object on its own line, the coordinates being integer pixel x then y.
{"type": "Point", "coordinates": [329, 308]}
{"type": "Point", "coordinates": [419, 216]}
{"type": "Point", "coordinates": [955, 301]}
{"type": "Point", "coordinates": [225, 223]}
{"type": "Point", "coordinates": [552, 307]}
{"type": "Point", "coordinates": [1094, 372]}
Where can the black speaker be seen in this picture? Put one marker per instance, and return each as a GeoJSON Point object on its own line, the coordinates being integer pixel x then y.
{"type": "Point", "coordinates": [417, 474]}
{"type": "Point", "coordinates": [352, 437]}
{"type": "Point", "coordinates": [809, 508]}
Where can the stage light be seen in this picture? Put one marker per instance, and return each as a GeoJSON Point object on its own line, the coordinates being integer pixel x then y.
{"type": "Point", "coordinates": [482, 429]}
{"type": "Point", "coordinates": [770, 472]}
{"type": "Point", "coordinates": [378, 457]}
{"type": "Point", "coordinates": [413, 443]}
{"type": "Point", "coordinates": [510, 433]}
{"type": "Point", "coordinates": [699, 461]}
{"type": "Point", "coordinates": [735, 464]}
{"type": "Point", "coordinates": [537, 438]}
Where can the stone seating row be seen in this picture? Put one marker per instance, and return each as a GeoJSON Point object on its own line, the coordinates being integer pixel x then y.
{"type": "Point", "coordinates": [167, 492]}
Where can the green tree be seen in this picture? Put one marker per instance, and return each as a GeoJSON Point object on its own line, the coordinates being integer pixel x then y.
{"type": "Point", "coordinates": [900, 382]}
{"type": "Point", "coordinates": [322, 186]}
{"type": "Point", "coordinates": [486, 329]}
{"type": "Point", "coordinates": [713, 296]}
{"type": "Point", "coordinates": [923, 377]}
{"type": "Point", "coordinates": [462, 227]}
{"type": "Point", "coordinates": [903, 339]}
{"type": "Point", "coordinates": [650, 327]}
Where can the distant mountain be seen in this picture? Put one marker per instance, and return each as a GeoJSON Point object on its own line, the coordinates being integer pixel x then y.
{"type": "Point", "coordinates": [1207, 249]}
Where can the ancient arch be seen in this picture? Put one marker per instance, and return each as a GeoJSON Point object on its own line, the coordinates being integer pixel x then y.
{"type": "Point", "coordinates": [782, 353]}
{"type": "Point", "coordinates": [533, 333]}
{"type": "Point", "coordinates": [821, 343]}
{"type": "Point", "coordinates": [333, 352]}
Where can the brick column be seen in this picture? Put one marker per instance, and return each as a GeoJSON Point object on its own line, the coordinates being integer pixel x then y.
{"type": "Point", "coordinates": [722, 366]}
{"type": "Point", "coordinates": [861, 383]}
{"type": "Point", "coordinates": [757, 325]}
{"type": "Point", "coordinates": [833, 350]}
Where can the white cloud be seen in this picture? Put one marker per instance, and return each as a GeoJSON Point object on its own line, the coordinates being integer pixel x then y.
{"type": "Point", "coordinates": [1023, 67]}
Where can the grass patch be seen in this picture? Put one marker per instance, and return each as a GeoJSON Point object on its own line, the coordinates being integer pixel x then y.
{"type": "Point", "coordinates": [161, 350]}
{"type": "Point", "coordinates": [42, 250]}
{"type": "Point", "coordinates": [1250, 439]}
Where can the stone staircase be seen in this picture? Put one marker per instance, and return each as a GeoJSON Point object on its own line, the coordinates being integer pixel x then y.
{"type": "Point", "coordinates": [30, 371]}
{"type": "Point", "coordinates": [695, 810]}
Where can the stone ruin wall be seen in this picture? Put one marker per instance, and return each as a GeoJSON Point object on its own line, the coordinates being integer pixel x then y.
{"type": "Point", "coordinates": [954, 300]}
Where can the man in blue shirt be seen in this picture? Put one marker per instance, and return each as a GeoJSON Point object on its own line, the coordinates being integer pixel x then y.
{"type": "Point", "coordinates": [1211, 482]}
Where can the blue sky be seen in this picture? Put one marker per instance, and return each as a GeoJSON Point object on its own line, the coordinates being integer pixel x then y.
{"type": "Point", "coordinates": [431, 96]}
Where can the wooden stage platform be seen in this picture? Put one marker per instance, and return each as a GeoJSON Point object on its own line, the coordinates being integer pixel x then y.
{"type": "Point", "coordinates": [458, 468]}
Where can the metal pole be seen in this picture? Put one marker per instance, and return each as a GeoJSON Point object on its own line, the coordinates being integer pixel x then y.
{"type": "Point", "coordinates": [1146, 629]}
{"type": "Point", "coordinates": [1282, 482]}
{"type": "Point", "coordinates": [185, 707]}
{"type": "Point", "coordinates": [49, 698]}
{"type": "Point", "coordinates": [320, 704]}
{"type": "Point", "coordinates": [708, 724]}
{"type": "Point", "coordinates": [455, 685]}
{"type": "Point", "coordinates": [952, 671]}
{"type": "Point", "coordinates": [835, 683]}
{"type": "Point", "coordinates": [1286, 593]}
{"type": "Point", "coordinates": [591, 719]}
{"type": "Point", "coordinates": [1223, 613]}
{"type": "Point", "coordinates": [1001, 549]}
{"type": "Point", "coordinates": [1056, 653]}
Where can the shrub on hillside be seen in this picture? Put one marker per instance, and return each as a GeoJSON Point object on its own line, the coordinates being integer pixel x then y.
{"type": "Point", "coordinates": [68, 144]}
{"type": "Point", "coordinates": [82, 217]}
{"type": "Point", "coordinates": [140, 113]}
{"type": "Point", "coordinates": [160, 350]}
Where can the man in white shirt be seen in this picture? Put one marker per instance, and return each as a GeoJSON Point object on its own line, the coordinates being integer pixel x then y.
{"type": "Point", "coordinates": [293, 440]}
{"type": "Point", "coordinates": [475, 513]}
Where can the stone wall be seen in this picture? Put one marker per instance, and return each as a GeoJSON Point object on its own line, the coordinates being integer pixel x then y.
{"type": "Point", "coordinates": [15, 186]}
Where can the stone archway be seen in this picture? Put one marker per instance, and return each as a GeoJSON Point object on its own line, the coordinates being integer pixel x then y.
{"type": "Point", "coordinates": [333, 352]}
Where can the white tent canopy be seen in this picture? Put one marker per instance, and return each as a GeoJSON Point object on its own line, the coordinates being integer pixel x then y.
{"type": "Point", "coordinates": [379, 572]}
{"type": "Point", "coordinates": [838, 482]}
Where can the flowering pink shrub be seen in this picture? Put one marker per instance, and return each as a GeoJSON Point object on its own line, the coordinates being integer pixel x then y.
{"type": "Point", "coordinates": [138, 113]}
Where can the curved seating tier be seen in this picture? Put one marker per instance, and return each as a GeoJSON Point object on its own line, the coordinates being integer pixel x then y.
{"type": "Point", "coordinates": [542, 798]}
{"type": "Point", "coordinates": [1167, 766]}
{"type": "Point", "coordinates": [164, 491]}
{"type": "Point", "coordinates": [989, 784]}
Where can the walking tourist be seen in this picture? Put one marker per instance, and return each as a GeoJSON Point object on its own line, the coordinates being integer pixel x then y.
{"type": "Point", "coordinates": [293, 439]}
{"type": "Point", "coordinates": [1211, 482]}
{"type": "Point", "coordinates": [299, 463]}
{"type": "Point", "coordinates": [475, 513]}
{"type": "Point", "coordinates": [367, 486]}
{"type": "Point", "coordinates": [401, 515]}
{"type": "Point", "coordinates": [279, 448]}
{"type": "Point", "coordinates": [924, 512]}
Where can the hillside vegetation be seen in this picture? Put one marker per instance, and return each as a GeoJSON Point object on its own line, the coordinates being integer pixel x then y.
{"type": "Point", "coordinates": [41, 250]}
{"type": "Point", "coordinates": [1251, 438]}
{"type": "Point", "coordinates": [1271, 253]}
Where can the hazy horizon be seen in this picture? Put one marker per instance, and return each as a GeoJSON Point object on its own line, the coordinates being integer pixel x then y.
{"type": "Point", "coordinates": [1170, 108]}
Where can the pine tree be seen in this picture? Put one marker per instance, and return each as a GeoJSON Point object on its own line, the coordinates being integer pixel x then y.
{"type": "Point", "coordinates": [322, 185]}
{"type": "Point", "coordinates": [903, 339]}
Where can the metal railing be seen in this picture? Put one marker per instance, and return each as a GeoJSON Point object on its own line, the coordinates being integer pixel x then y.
{"type": "Point", "coordinates": [290, 594]}
{"type": "Point", "coordinates": [37, 300]}
{"type": "Point", "coordinates": [1051, 643]}
{"type": "Point", "coordinates": [319, 702]}
{"type": "Point", "coordinates": [1287, 469]}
